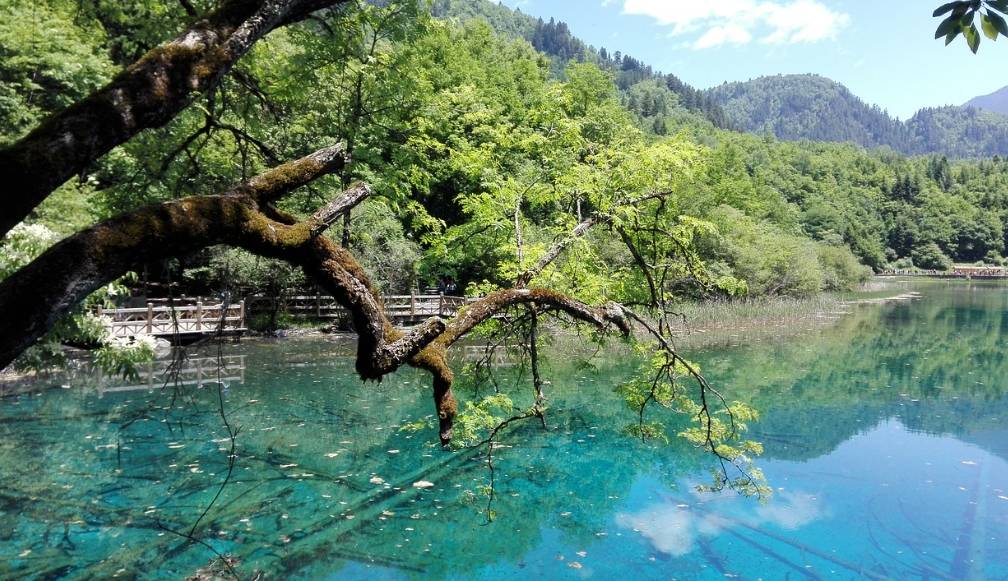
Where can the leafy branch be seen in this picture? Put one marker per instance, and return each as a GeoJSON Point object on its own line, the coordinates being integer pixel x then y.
{"type": "Point", "coordinates": [963, 16]}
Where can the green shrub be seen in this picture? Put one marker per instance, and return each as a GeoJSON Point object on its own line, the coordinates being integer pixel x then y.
{"type": "Point", "coordinates": [905, 263]}
{"type": "Point", "coordinates": [841, 269]}
{"type": "Point", "coordinates": [931, 257]}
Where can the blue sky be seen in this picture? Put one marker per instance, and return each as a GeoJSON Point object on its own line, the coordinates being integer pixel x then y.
{"type": "Point", "coordinates": [883, 50]}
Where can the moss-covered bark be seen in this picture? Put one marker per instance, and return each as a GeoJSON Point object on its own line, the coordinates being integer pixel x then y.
{"type": "Point", "coordinates": [35, 297]}
{"type": "Point", "coordinates": [149, 93]}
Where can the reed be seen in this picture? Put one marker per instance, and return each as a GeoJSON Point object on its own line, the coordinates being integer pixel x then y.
{"type": "Point", "coordinates": [754, 319]}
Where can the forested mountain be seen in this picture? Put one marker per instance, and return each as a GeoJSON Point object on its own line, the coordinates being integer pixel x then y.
{"type": "Point", "coordinates": [797, 107]}
{"type": "Point", "coordinates": [996, 102]}
{"type": "Point", "coordinates": [458, 125]}
{"type": "Point", "coordinates": [964, 132]}
{"type": "Point", "coordinates": [555, 39]}
{"type": "Point", "coordinates": [889, 209]}
{"type": "Point", "coordinates": [789, 107]}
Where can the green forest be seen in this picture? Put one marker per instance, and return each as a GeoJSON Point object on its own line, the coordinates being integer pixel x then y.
{"type": "Point", "coordinates": [811, 107]}
{"type": "Point", "coordinates": [457, 120]}
{"type": "Point", "coordinates": [286, 286]}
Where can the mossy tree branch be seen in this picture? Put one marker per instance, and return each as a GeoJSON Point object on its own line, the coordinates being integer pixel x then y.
{"type": "Point", "coordinates": [46, 289]}
{"type": "Point", "coordinates": [244, 216]}
{"type": "Point", "coordinates": [147, 94]}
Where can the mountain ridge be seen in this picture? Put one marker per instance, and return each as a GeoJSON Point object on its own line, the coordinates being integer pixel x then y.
{"type": "Point", "coordinates": [817, 108]}
{"type": "Point", "coordinates": [555, 39]}
{"type": "Point", "coordinates": [996, 102]}
{"type": "Point", "coordinates": [790, 107]}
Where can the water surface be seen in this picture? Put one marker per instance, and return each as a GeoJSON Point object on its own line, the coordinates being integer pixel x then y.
{"type": "Point", "coordinates": [884, 434]}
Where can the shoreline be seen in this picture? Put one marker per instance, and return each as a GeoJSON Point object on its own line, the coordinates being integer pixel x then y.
{"type": "Point", "coordinates": [704, 324]}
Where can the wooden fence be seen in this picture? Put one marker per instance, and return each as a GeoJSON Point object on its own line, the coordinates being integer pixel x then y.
{"type": "Point", "coordinates": [957, 272]}
{"type": "Point", "coordinates": [164, 320]}
{"type": "Point", "coordinates": [190, 317]}
{"type": "Point", "coordinates": [401, 309]}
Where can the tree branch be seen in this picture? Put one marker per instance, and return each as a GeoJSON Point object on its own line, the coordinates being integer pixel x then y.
{"type": "Point", "coordinates": [488, 306]}
{"type": "Point", "coordinates": [554, 251]}
{"type": "Point", "coordinates": [327, 215]}
{"type": "Point", "coordinates": [147, 94]}
{"type": "Point", "coordinates": [560, 245]}
{"type": "Point", "coordinates": [46, 289]}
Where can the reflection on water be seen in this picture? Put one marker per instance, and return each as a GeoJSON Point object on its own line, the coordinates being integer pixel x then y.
{"type": "Point", "coordinates": [187, 372]}
{"type": "Point", "coordinates": [885, 444]}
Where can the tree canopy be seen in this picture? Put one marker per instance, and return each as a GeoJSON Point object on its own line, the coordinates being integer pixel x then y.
{"type": "Point", "coordinates": [579, 190]}
{"type": "Point", "coordinates": [515, 182]}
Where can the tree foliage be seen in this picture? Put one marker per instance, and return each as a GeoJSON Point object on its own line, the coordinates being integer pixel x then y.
{"type": "Point", "coordinates": [963, 16]}
{"type": "Point", "coordinates": [585, 187]}
{"type": "Point", "coordinates": [811, 107]}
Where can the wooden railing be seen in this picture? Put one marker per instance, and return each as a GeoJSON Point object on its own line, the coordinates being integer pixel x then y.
{"type": "Point", "coordinates": [958, 272]}
{"type": "Point", "coordinates": [176, 319]}
{"type": "Point", "coordinates": [162, 318]}
{"type": "Point", "coordinates": [399, 308]}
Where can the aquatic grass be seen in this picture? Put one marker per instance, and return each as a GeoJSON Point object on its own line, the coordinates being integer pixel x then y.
{"type": "Point", "coordinates": [753, 319]}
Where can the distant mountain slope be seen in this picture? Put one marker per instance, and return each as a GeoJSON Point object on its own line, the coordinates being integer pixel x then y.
{"type": "Point", "coordinates": [791, 107]}
{"type": "Point", "coordinates": [959, 132]}
{"type": "Point", "coordinates": [996, 102]}
{"type": "Point", "coordinates": [795, 107]}
{"type": "Point", "coordinates": [812, 107]}
{"type": "Point", "coordinates": [555, 39]}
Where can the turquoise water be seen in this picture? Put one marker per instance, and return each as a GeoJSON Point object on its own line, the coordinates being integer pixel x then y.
{"type": "Point", "coordinates": [885, 439]}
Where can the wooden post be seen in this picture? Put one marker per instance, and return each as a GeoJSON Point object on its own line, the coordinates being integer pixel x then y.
{"type": "Point", "coordinates": [150, 318]}
{"type": "Point", "coordinates": [318, 303]}
{"type": "Point", "coordinates": [412, 303]}
{"type": "Point", "coordinates": [440, 305]}
{"type": "Point", "coordinates": [241, 314]}
{"type": "Point", "coordinates": [199, 315]}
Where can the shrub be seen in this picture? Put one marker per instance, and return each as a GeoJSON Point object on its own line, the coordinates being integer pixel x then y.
{"type": "Point", "coordinates": [22, 245]}
{"type": "Point", "coordinates": [904, 263]}
{"type": "Point", "coordinates": [931, 257]}
{"type": "Point", "coordinates": [841, 269]}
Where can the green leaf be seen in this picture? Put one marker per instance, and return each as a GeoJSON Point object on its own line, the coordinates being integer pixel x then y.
{"type": "Point", "coordinates": [999, 23]}
{"type": "Point", "coordinates": [946, 8]}
{"type": "Point", "coordinates": [999, 5]}
{"type": "Point", "coordinates": [948, 26]}
{"type": "Point", "coordinates": [989, 30]}
{"type": "Point", "coordinates": [972, 36]}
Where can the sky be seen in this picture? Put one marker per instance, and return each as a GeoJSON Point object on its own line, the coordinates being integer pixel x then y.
{"type": "Point", "coordinates": [884, 51]}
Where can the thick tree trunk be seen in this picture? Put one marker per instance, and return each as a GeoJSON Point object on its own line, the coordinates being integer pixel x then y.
{"type": "Point", "coordinates": [149, 93]}
{"type": "Point", "coordinates": [46, 289]}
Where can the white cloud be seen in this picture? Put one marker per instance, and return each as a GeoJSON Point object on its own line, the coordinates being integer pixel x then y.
{"type": "Point", "coordinates": [718, 35]}
{"type": "Point", "coordinates": [674, 529]}
{"type": "Point", "coordinates": [723, 22]}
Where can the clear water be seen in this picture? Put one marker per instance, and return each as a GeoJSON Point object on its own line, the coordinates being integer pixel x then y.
{"type": "Point", "coordinates": [885, 443]}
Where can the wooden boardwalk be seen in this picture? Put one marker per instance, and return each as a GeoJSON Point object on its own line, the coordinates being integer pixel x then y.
{"type": "Point", "coordinates": [969, 273]}
{"type": "Point", "coordinates": [402, 310]}
{"type": "Point", "coordinates": [176, 319]}
{"type": "Point", "coordinates": [192, 318]}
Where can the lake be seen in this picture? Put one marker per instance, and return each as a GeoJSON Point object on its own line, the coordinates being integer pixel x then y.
{"type": "Point", "coordinates": [885, 436]}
